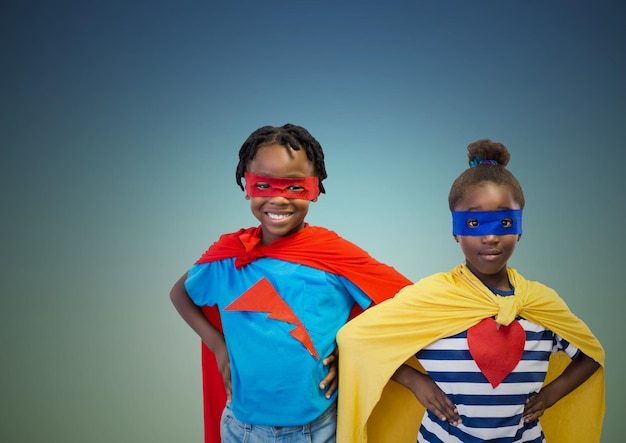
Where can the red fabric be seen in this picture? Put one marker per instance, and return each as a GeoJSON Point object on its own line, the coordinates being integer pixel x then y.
{"type": "Point", "coordinates": [496, 349]}
{"type": "Point", "coordinates": [312, 246]}
{"type": "Point", "coordinates": [307, 187]}
{"type": "Point", "coordinates": [262, 297]}
{"type": "Point", "coordinates": [213, 391]}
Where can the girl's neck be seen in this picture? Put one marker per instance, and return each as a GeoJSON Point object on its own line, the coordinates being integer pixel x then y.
{"type": "Point", "coordinates": [499, 281]}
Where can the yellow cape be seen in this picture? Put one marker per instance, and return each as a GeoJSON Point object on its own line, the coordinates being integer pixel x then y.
{"type": "Point", "coordinates": [377, 342]}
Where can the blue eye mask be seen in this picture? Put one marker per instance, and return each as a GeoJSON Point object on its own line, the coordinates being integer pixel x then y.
{"type": "Point", "coordinates": [478, 223]}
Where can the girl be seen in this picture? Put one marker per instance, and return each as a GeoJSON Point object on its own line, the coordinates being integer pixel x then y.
{"type": "Point", "coordinates": [484, 337]}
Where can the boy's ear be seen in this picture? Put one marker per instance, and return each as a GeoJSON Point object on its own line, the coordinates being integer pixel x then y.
{"type": "Point", "coordinates": [519, 237]}
{"type": "Point", "coordinates": [455, 238]}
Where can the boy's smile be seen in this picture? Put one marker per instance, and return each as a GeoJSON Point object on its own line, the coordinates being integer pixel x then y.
{"type": "Point", "coordinates": [278, 216]}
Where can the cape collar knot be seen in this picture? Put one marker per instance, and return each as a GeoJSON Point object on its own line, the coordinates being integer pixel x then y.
{"type": "Point", "coordinates": [251, 242]}
{"type": "Point", "coordinates": [508, 309]}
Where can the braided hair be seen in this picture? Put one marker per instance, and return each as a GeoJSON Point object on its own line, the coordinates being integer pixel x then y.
{"type": "Point", "coordinates": [487, 162]}
{"type": "Point", "coordinates": [289, 136]}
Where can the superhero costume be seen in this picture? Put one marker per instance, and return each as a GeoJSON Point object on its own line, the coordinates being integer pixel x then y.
{"type": "Point", "coordinates": [315, 247]}
{"type": "Point", "coordinates": [375, 344]}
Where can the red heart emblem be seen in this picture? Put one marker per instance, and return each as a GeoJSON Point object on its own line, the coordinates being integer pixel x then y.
{"type": "Point", "coordinates": [496, 350]}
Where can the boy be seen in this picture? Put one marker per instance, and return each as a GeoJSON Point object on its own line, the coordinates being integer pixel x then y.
{"type": "Point", "coordinates": [283, 289]}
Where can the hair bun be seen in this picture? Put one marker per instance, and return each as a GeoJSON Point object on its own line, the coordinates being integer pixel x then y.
{"type": "Point", "coordinates": [485, 151]}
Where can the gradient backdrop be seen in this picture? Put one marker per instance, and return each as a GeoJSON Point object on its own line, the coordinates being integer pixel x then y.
{"type": "Point", "coordinates": [121, 123]}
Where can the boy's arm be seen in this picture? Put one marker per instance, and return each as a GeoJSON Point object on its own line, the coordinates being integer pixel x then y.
{"type": "Point", "coordinates": [427, 393]}
{"type": "Point", "coordinates": [579, 370]}
{"type": "Point", "coordinates": [196, 319]}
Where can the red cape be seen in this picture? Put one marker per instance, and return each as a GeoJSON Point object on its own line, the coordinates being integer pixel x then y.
{"type": "Point", "coordinates": [312, 246]}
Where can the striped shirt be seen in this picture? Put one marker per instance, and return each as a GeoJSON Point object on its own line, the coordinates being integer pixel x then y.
{"type": "Point", "coordinates": [489, 414]}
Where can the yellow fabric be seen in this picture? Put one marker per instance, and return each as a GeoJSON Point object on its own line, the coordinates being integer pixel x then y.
{"type": "Point", "coordinates": [377, 342]}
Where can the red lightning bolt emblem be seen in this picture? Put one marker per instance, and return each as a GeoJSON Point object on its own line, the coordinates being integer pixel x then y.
{"type": "Point", "coordinates": [262, 297]}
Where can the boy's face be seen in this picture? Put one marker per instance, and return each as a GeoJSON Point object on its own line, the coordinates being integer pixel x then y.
{"type": "Point", "coordinates": [279, 216]}
{"type": "Point", "coordinates": [487, 255]}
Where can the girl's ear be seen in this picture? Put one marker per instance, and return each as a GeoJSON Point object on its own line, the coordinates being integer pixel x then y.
{"type": "Point", "coordinates": [247, 197]}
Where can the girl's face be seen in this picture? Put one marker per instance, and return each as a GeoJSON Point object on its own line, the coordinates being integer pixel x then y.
{"type": "Point", "coordinates": [486, 256]}
{"type": "Point", "coordinates": [279, 216]}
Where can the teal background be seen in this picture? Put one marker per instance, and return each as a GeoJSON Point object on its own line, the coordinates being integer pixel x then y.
{"type": "Point", "coordinates": [121, 123]}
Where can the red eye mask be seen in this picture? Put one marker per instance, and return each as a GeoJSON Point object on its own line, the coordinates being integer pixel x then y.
{"type": "Point", "coordinates": [305, 188]}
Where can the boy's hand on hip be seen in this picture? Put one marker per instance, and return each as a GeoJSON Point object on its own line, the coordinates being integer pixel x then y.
{"type": "Point", "coordinates": [331, 380]}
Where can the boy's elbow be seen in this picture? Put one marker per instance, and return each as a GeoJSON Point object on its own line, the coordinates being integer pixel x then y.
{"type": "Point", "coordinates": [173, 296]}
{"type": "Point", "coordinates": [178, 291]}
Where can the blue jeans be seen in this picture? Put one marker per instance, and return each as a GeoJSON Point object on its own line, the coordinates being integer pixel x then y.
{"type": "Point", "coordinates": [322, 430]}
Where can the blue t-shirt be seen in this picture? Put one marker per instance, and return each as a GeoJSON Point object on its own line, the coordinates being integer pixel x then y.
{"type": "Point", "coordinates": [280, 320]}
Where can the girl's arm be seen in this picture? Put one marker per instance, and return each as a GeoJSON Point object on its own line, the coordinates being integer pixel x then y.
{"type": "Point", "coordinates": [195, 318]}
{"type": "Point", "coordinates": [579, 370]}
{"type": "Point", "coordinates": [427, 393]}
